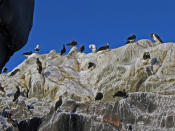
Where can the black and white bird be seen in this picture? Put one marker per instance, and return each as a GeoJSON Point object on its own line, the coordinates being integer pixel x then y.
{"type": "Point", "coordinates": [73, 43]}
{"type": "Point", "coordinates": [29, 54]}
{"type": "Point", "coordinates": [14, 72]}
{"type": "Point", "coordinates": [17, 94]}
{"type": "Point", "coordinates": [93, 47]}
{"type": "Point", "coordinates": [91, 64]}
{"type": "Point", "coordinates": [131, 39]}
{"type": "Point", "coordinates": [99, 96]}
{"type": "Point", "coordinates": [39, 65]}
{"type": "Point", "coordinates": [156, 38]}
{"type": "Point", "coordinates": [58, 103]}
{"type": "Point", "coordinates": [82, 48]}
{"type": "Point", "coordinates": [121, 94]}
{"type": "Point", "coordinates": [146, 55]}
{"type": "Point", "coordinates": [37, 48]}
{"type": "Point", "coordinates": [104, 47]}
{"type": "Point", "coordinates": [63, 50]}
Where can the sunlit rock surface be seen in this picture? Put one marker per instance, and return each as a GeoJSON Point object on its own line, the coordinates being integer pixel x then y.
{"type": "Point", "coordinates": [149, 83]}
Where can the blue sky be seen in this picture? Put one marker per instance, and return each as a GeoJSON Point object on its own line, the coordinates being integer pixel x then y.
{"type": "Point", "coordinates": [96, 21]}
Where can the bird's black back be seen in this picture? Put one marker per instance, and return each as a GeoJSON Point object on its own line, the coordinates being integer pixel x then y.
{"type": "Point", "coordinates": [39, 64]}
{"type": "Point", "coordinates": [146, 55]}
{"type": "Point", "coordinates": [103, 48]}
{"type": "Point", "coordinates": [63, 50]}
{"type": "Point", "coordinates": [158, 37]}
{"type": "Point", "coordinates": [90, 64]}
{"type": "Point", "coordinates": [17, 94]}
{"type": "Point", "coordinates": [82, 48]}
{"type": "Point", "coordinates": [14, 72]}
{"type": "Point", "coordinates": [132, 37]}
{"type": "Point", "coordinates": [99, 96]}
{"type": "Point", "coordinates": [120, 94]}
{"type": "Point", "coordinates": [58, 104]}
{"type": "Point", "coordinates": [27, 53]}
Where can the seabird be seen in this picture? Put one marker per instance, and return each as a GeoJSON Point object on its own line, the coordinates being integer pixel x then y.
{"type": "Point", "coordinates": [146, 55]}
{"type": "Point", "coordinates": [156, 38]}
{"type": "Point", "coordinates": [4, 70]}
{"type": "Point", "coordinates": [90, 64]}
{"type": "Point", "coordinates": [82, 48]}
{"type": "Point", "coordinates": [14, 72]}
{"type": "Point", "coordinates": [58, 103]}
{"type": "Point", "coordinates": [63, 50]}
{"type": "Point", "coordinates": [2, 88]}
{"type": "Point", "coordinates": [131, 39]}
{"type": "Point", "coordinates": [27, 53]}
{"type": "Point", "coordinates": [99, 96]}
{"type": "Point", "coordinates": [120, 94]}
{"type": "Point", "coordinates": [104, 47]}
{"type": "Point", "coordinates": [37, 48]}
{"type": "Point", "coordinates": [17, 94]}
{"type": "Point", "coordinates": [93, 47]}
{"type": "Point", "coordinates": [39, 64]}
{"type": "Point", "coordinates": [74, 109]}
{"type": "Point", "coordinates": [73, 43]}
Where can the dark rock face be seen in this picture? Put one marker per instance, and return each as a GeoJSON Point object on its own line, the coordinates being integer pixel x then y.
{"type": "Point", "coordinates": [30, 124]}
{"type": "Point", "coordinates": [16, 19]}
{"type": "Point", "coordinates": [74, 122]}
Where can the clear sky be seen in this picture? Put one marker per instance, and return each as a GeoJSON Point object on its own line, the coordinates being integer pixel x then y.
{"type": "Point", "coordinates": [96, 21]}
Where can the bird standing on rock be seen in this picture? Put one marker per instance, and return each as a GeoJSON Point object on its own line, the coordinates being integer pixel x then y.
{"type": "Point", "coordinates": [93, 47]}
{"type": "Point", "coordinates": [17, 94]}
{"type": "Point", "coordinates": [27, 53]}
{"type": "Point", "coordinates": [73, 43]}
{"type": "Point", "coordinates": [37, 48]}
{"type": "Point", "coordinates": [156, 38]}
{"type": "Point", "coordinates": [91, 65]}
{"type": "Point", "coordinates": [146, 55]}
{"type": "Point", "coordinates": [104, 47]}
{"type": "Point", "coordinates": [58, 103]}
{"type": "Point", "coordinates": [82, 48]}
{"type": "Point", "coordinates": [39, 64]}
{"type": "Point", "coordinates": [63, 50]}
{"type": "Point", "coordinates": [99, 96]}
{"type": "Point", "coordinates": [120, 94]}
{"type": "Point", "coordinates": [131, 39]}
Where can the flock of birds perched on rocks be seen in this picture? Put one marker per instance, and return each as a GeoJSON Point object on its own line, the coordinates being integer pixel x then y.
{"type": "Point", "coordinates": [99, 95]}
{"type": "Point", "coordinates": [73, 44]}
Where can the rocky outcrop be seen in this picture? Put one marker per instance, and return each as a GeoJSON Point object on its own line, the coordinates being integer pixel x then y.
{"type": "Point", "coordinates": [149, 84]}
{"type": "Point", "coordinates": [16, 19]}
